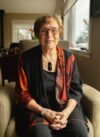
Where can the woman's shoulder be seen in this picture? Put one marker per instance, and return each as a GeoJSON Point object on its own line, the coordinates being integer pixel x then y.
{"type": "Point", "coordinates": [68, 53]}
{"type": "Point", "coordinates": [31, 51]}
{"type": "Point", "coordinates": [29, 55]}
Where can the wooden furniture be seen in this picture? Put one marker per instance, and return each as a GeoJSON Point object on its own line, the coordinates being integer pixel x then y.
{"type": "Point", "coordinates": [8, 66]}
{"type": "Point", "coordinates": [1, 29]}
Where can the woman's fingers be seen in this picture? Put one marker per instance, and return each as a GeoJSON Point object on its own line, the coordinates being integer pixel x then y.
{"type": "Point", "coordinates": [49, 115]}
{"type": "Point", "coordinates": [57, 126]}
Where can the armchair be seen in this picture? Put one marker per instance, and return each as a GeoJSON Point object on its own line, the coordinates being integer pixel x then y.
{"type": "Point", "coordinates": [90, 101]}
{"type": "Point", "coordinates": [26, 44]}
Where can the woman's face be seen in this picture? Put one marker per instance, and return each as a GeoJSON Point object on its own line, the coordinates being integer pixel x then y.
{"type": "Point", "coordinates": [49, 35]}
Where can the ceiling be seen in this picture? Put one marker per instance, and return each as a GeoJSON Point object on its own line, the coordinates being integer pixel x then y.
{"type": "Point", "coordinates": [31, 6]}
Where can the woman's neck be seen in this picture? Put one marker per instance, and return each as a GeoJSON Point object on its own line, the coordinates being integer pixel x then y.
{"type": "Point", "coordinates": [49, 58]}
{"type": "Point", "coordinates": [49, 52]}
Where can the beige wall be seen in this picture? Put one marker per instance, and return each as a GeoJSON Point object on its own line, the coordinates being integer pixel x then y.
{"type": "Point", "coordinates": [7, 25]}
{"type": "Point", "coordinates": [90, 66]}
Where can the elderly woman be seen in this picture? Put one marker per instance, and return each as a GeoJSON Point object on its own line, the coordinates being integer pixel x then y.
{"type": "Point", "coordinates": [49, 87]}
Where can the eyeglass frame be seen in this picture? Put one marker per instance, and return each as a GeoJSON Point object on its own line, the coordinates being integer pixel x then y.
{"type": "Point", "coordinates": [53, 30]}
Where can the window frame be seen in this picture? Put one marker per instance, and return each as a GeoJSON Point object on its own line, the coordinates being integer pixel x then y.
{"type": "Point", "coordinates": [69, 23]}
{"type": "Point", "coordinates": [22, 23]}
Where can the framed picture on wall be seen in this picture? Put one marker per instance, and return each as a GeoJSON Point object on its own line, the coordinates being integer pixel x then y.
{"type": "Point", "coordinates": [95, 8]}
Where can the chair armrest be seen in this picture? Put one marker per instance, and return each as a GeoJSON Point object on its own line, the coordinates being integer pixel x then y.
{"type": "Point", "coordinates": [11, 129]}
{"type": "Point", "coordinates": [7, 104]}
{"type": "Point", "coordinates": [91, 105]}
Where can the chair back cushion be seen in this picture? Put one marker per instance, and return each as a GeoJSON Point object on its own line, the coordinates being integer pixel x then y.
{"type": "Point", "coordinates": [27, 44]}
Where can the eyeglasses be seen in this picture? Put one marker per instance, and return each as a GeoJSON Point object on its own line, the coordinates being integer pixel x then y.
{"type": "Point", "coordinates": [45, 31]}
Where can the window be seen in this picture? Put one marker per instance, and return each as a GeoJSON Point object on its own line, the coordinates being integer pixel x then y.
{"type": "Point", "coordinates": [22, 29]}
{"type": "Point", "coordinates": [77, 30]}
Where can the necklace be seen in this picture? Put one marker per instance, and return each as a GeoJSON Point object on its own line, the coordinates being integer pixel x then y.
{"type": "Point", "coordinates": [49, 66]}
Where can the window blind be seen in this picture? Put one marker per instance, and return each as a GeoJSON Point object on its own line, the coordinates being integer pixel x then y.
{"type": "Point", "coordinates": [68, 5]}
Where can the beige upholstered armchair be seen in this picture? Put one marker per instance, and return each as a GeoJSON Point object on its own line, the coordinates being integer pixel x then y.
{"type": "Point", "coordinates": [26, 44]}
{"type": "Point", "coordinates": [91, 105]}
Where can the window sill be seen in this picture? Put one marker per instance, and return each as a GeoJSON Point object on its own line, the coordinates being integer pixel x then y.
{"type": "Point", "coordinates": [81, 52]}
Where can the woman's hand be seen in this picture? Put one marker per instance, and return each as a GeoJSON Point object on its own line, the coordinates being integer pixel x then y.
{"type": "Point", "coordinates": [57, 120]}
{"type": "Point", "coordinates": [61, 118]}
{"type": "Point", "coordinates": [60, 121]}
{"type": "Point", "coordinates": [49, 114]}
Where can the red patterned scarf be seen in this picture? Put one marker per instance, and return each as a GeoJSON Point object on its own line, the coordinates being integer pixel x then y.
{"type": "Point", "coordinates": [61, 83]}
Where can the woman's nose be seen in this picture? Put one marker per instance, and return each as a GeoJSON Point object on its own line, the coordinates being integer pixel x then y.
{"type": "Point", "coordinates": [49, 32]}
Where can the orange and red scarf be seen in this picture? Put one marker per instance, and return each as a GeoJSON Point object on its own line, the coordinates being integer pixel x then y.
{"type": "Point", "coordinates": [62, 68]}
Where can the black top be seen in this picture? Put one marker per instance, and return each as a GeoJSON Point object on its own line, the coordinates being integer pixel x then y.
{"type": "Point", "coordinates": [50, 79]}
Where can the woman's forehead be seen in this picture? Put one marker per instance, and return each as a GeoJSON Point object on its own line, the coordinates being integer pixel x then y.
{"type": "Point", "coordinates": [50, 22]}
{"type": "Point", "coordinates": [50, 19]}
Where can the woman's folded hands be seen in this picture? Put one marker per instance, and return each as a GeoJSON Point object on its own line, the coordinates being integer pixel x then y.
{"type": "Point", "coordinates": [57, 120]}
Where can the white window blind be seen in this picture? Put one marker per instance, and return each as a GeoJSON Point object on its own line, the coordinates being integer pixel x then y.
{"type": "Point", "coordinates": [68, 4]}
{"type": "Point", "coordinates": [76, 24]}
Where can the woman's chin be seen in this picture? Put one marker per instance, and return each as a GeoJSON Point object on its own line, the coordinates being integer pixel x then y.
{"type": "Point", "coordinates": [50, 46]}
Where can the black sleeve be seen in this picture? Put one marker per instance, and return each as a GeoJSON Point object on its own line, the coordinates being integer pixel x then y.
{"type": "Point", "coordinates": [75, 91]}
